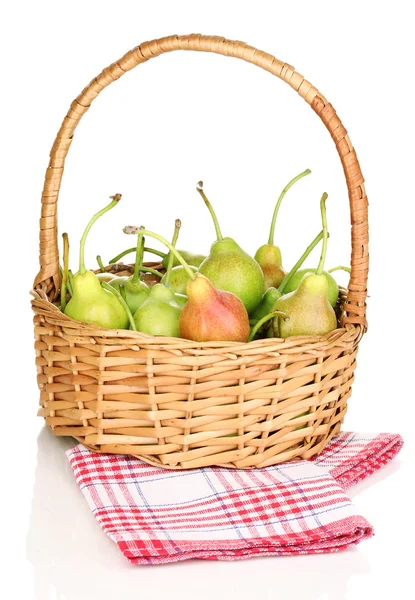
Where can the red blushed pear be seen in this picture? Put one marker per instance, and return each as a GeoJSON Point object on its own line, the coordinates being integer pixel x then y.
{"type": "Point", "coordinates": [268, 256]}
{"type": "Point", "coordinates": [212, 315]}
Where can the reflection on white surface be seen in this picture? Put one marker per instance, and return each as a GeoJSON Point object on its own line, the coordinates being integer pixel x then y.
{"type": "Point", "coordinates": [74, 560]}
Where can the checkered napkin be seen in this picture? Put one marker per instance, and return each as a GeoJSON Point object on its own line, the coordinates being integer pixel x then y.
{"type": "Point", "coordinates": [158, 516]}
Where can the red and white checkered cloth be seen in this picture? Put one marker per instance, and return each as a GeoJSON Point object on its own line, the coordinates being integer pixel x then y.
{"type": "Point", "coordinates": [158, 516]}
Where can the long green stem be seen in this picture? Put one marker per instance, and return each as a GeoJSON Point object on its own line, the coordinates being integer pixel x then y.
{"type": "Point", "coordinates": [280, 199]}
{"type": "Point", "coordinates": [61, 274]}
{"type": "Point", "coordinates": [65, 270]}
{"type": "Point", "coordinates": [132, 229]}
{"type": "Point", "coordinates": [134, 249]}
{"type": "Point", "coordinates": [299, 262]}
{"type": "Point", "coordinates": [115, 199]}
{"type": "Point", "coordinates": [156, 252]}
{"type": "Point", "coordinates": [123, 292]}
{"type": "Point", "coordinates": [199, 188]}
{"type": "Point", "coordinates": [122, 254]}
{"type": "Point", "coordinates": [138, 257]}
{"type": "Point", "coordinates": [145, 269]}
{"type": "Point", "coordinates": [177, 226]}
{"type": "Point", "coordinates": [340, 268]}
{"type": "Point", "coordinates": [121, 300]}
{"type": "Point", "coordinates": [325, 234]}
{"type": "Point", "coordinates": [70, 282]}
{"type": "Point", "coordinates": [268, 317]}
{"type": "Point", "coordinates": [101, 264]}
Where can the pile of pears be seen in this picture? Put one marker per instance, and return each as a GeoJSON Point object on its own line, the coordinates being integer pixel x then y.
{"type": "Point", "coordinates": [225, 296]}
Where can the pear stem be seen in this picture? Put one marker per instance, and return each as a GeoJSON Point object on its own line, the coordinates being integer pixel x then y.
{"type": "Point", "coordinates": [199, 188]}
{"type": "Point", "coordinates": [100, 264]}
{"type": "Point", "coordinates": [280, 199]}
{"type": "Point", "coordinates": [134, 249]}
{"type": "Point", "coordinates": [156, 252]}
{"type": "Point", "coordinates": [65, 270]}
{"type": "Point", "coordinates": [177, 226]}
{"type": "Point", "coordinates": [268, 317]}
{"type": "Point", "coordinates": [144, 269]}
{"type": "Point", "coordinates": [299, 262]}
{"type": "Point", "coordinates": [138, 257]}
{"type": "Point", "coordinates": [340, 268]}
{"type": "Point", "coordinates": [123, 292]}
{"type": "Point", "coordinates": [132, 229]}
{"type": "Point", "coordinates": [325, 234]}
{"type": "Point", "coordinates": [115, 200]}
{"type": "Point", "coordinates": [121, 300]}
{"type": "Point", "coordinates": [70, 282]}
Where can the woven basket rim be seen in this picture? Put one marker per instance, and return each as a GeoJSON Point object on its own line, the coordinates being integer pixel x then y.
{"type": "Point", "coordinates": [171, 343]}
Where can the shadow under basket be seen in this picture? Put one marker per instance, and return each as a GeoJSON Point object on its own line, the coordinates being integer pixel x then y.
{"type": "Point", "coordinates": [181, 404]}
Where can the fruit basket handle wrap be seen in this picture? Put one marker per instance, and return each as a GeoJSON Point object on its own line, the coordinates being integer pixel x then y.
{"type": "Point", "coordinates": [49, 275]}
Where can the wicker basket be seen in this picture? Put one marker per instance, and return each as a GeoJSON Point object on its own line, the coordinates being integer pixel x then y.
{"type": "Point", "coordinates": [180, 404]}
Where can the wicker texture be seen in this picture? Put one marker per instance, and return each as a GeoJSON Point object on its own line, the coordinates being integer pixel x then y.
{"type": "Point", "coordinates": [182, 404]}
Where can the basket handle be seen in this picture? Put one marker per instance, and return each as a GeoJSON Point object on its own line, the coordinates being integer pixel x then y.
{"type": "Point", "coordinates": [49, 276]}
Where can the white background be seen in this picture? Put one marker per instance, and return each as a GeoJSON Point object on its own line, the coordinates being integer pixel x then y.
{"type": "Point", "coordinates": [152, 136]}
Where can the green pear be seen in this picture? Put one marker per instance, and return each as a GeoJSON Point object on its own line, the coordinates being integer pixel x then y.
{"type": "Point", "coordinates": [333, 288]}
{"type": "Point", "coordinates": [308, 309]}
{"type": "Point", "coordinates": [89, 302]}
{"type": "Point", "coordinates": [231, 269]}
{"type": "Point", "coordinates": [159, 314]}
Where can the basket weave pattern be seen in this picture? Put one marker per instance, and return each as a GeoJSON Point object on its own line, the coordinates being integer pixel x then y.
{"type": "Point", "coordinates": [183, 404]}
